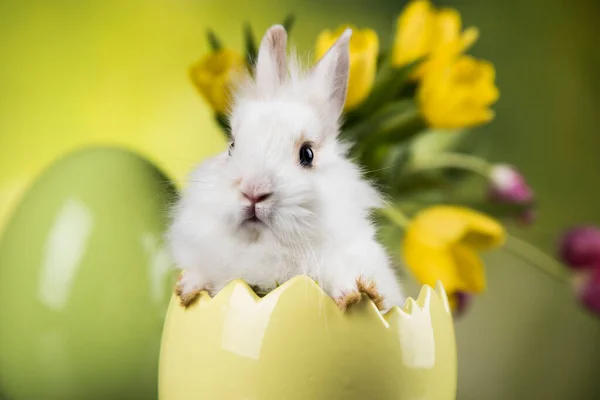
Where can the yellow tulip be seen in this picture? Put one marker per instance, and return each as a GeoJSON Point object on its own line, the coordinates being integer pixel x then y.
{"type": "Point", "coordinates": [414, 32]}
{"type": "Point", "coordinates": [457, 92]}
{"type": "Point", "coordinates": [215, 74]}
{"type": "Point", "coordinates": [443, 242]}
{"type": "Point", "coordinates": [364, 49]}
{"type": "Point", "coordinates": [423, 30]}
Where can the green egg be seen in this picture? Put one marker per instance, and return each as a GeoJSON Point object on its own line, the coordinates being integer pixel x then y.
{"type": "Point", "coordinates": [85, 280]}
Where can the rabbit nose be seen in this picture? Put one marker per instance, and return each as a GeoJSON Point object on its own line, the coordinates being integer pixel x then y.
{"type": "Point", "coordinates": [256, 198]}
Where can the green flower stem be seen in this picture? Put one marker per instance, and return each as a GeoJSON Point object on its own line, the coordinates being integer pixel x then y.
{"type": "Point", "coordinates": [396, 216]}
{"type": "Point", "coordinates": [534, 256]}
{"type": "Point", "coordinates": [467, 162]}
{"type": "Point", "coordinates": [213, 41]}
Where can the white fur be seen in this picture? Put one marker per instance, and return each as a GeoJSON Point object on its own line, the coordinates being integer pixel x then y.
{"type": "Point", "coordinates": [317, 220]}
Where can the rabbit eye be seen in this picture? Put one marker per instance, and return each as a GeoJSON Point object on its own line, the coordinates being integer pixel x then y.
{"type": "Point", "coordinates": [231, 146]}
{"type": "Point", "coordinates": [306, 155]}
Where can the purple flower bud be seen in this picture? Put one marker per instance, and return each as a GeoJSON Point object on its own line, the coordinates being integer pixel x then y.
{"type": "Point", "coordinates": [587, 288]}
{"type": "Point", "coordinates": [580, 247]}
{"type": "Point", "coordinates": [460, 302]}
{"type": "Point", "coordinates": [508, 185]}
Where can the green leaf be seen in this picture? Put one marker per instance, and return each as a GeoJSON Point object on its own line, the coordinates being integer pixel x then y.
{"type": "Point", "coordinates": [388, 118]}
{"type": "Point", "coordinates": [385, 163]}
{"type": "Point", "coordinates": [395, 124]}
{"type": "Point", "coordinates": [403, 127]}
{"type": "Point", "coordinates": [251, 49]}
{"type": "Point", "coordinates": [399, 156]}
{"type": "Point", "coordinates": [223, 122]}
{"type": "Point", "coordinates": [349, 120]}
{"type": "Point", "coordinates": [388, 82]}
{"type": "Point", "coordinates": [288, 23]}
{"type": "Point", "coordinates": [213, 40]}
{"type": "Point", "coordinates": [382, 57]}
{"type": "Point", "coordinates": [408, 90]}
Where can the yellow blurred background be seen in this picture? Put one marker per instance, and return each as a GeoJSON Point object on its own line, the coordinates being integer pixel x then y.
{"type": "Point", "coordinates": [77, 74]}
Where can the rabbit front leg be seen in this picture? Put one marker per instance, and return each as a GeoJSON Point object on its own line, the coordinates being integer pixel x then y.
{"type": "Point", "coordinates": [344, 291]}
{"type": "Point", "coordinates": [190, 285]}
{"type": "Point", "coordinates": [348, 294]}
{"type": "Point", "coordinates": [362, 267]}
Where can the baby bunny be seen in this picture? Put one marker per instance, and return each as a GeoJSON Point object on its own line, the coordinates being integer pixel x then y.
{"type": "Point", "coordinates": [284, 200]}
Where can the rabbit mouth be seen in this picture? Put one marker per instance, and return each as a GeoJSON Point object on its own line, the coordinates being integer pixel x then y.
{"type": "Point", "coordinates": [253, 219]}
{"type": "Point", "coordinates": [254, 216]}
{"type": "Point", "coordinates": [253, 225]}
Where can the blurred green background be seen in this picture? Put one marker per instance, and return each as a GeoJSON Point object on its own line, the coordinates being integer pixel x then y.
{"type": "Point", "coordinates": [76, 73]}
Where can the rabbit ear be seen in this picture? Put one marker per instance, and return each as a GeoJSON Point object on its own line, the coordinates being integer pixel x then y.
{"type": "Point", "coordinates": [331, 72]}
{"type": "Point", "coordinates": [271, 65]}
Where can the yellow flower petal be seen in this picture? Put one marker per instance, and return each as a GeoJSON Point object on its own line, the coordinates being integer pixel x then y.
{"type": "Point", "coordinates": [424, 32]}
{"type": "Point", "coordinates": [448, 25]}
{"type": "Point", "coordinates": [215, 74]}
{"type": "Point", "coordinates": [429, 264]}
{"type": "Point", "coordinates": [364, 49]}
{"type": "Point", "coordinates": [441, 225]}
{"type": "Point", "coordinates": [414, 32]}
{"type": "Point", "coordinates": [469, 37]}
{"type": "Point", "coordinates": [469, 268]}
{"type": "Point", "coordinates": [456, 92]}
{"type": "Point", "coordinates": [441, 243]}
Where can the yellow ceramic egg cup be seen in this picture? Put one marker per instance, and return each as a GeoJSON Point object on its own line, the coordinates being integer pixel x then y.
{"type": "Point", "coordinates": [296, 344]}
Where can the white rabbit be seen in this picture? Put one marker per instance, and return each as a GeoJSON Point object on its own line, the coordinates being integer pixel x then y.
{"type": "Point", "coordinates": [283, 200]}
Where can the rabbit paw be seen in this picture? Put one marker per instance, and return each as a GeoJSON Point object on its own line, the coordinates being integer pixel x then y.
{"type": "Point", "coordinates": [186, 298]}
{"type": "Point", "coordinates": [348, 299]}
{"type": "Point", "coordinates": [188, 289]}
{"type": "Point", "coordinates": [369, 288]}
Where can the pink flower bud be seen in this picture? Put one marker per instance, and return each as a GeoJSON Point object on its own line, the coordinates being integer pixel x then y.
{"type": "Point", "coordinates": [587, 288]}
{"type": "Point", "coordinates": [580, 247]}
{"type": "Point", "coordinates": [508, 185]}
